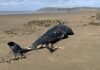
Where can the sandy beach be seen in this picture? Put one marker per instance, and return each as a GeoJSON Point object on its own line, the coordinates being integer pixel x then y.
{"type": "Point", "coordinates": [80, 51]}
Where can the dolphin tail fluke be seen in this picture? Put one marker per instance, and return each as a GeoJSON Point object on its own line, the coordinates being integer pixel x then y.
{"type": "Point", "coordinates": [16, 49]}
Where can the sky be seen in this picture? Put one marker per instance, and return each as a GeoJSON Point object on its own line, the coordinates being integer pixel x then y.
{"type": "Point", "coordinates": [32, 5]}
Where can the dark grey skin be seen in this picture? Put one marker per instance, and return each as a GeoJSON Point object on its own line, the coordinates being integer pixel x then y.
{"type": "Point", "coordinates": [53, 35]}
{"type": "Point", "coordinates": [16, 49]}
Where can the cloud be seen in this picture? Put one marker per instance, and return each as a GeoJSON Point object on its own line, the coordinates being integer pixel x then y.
{"type": "Point", "coordinates": [11, 1]}
{"type": "Point", "coordinates": [39, 1]}
{"type": "Point", "coordinates": [36, 4]}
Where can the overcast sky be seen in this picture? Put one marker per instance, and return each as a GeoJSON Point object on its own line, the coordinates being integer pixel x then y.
{"type": "Point", "coordinates": [31, 5]}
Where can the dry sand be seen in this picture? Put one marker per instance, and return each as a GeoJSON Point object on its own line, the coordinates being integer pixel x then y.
{"type": "Point", "coordinates": [78, 52]}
